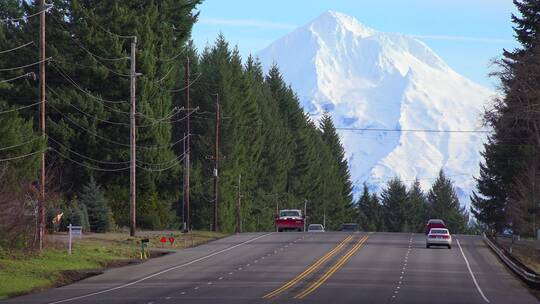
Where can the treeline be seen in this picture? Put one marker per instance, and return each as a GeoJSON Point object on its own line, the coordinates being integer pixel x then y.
{"type": "Point", "coordinates": [509, 184]}
{"type": "Point", "coordinates": [272, 154]}
{"type": "Point", "coordinates": [402, 209]}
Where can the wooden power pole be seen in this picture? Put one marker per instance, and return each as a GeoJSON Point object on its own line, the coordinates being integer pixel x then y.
{"type": "Point", "coordinates": [216, 169]}
{"type": "Point", "coordinates": [238, 206]}
{"type": "Point", "coordinates": [133, 143]}
{"type": "Point", "coordinates": [41, 200]}
{"type": "Point", "coordinates": [188, 165]}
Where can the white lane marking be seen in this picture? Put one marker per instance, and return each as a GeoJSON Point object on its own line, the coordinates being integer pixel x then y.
{"type": "Point", "coordinates": [168, 298]}
{"type": "Point", "coordinates": [220, 278]}
{"type": "Point", "coordinates": [472, 274]}
{"type": "Point", "coordinates": [196, 288]}
{"type": "Point", "coordinates": [183, 293]}
{"type": "Point", "coordinates": [161, 272]}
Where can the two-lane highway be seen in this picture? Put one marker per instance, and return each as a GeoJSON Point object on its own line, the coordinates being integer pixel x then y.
{"type": "Point", "coordinates": [330, 267]}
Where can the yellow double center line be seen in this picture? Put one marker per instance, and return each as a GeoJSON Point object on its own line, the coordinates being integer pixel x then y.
{"type": "Point", "coordinates": [332, 269]}
{"type": "Point", "coordinates": [309, 270]}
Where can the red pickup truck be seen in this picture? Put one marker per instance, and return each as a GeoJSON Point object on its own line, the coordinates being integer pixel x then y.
{"type": "Point", "coordinates": [290, 219]}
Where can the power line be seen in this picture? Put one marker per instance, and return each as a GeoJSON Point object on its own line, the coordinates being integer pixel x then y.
{"type": "Point", "coordinates": [88, 131]}
{"type": "Point", "coordinates": [17, 77]}
{"type": "Point", "coordinates": [186, 86]}
{"type": "Point", "coordinates": [81, 89]}
{"type": "Point", "coordinates": [18, 47]}
{"type": "Point", "coordinates": [87, 157]}
{"type": "Point", "coordinates": [86, 113]}
{"type": "Point", "coordinates": [110, 140]}
{"type": "Point", "coordinates": [171, 58]}
{"type": "Point", "coordinates": [177, 160]}
{"type": "Point", "coordinates": [66, 76]}
{"type": "Point", "coordinates": [20, 108]}
{"type": "Point", "coordinates": [88, 66]}
{"type": "Point", "coordinates": [26, 17]}
{"type": "Point", "coordinates": [88, 166]}
{"type": "Point", "coordinates": [25, 66]}
{"type": "Point", "coordinates": [412, 130]}
{"type": "Point", "coordinates": [106, 30]}
{"type": "Point", "coordinates": [19, 145]}
{"type": "Point", "coordinates": [164, 76]}
{"type": "Point", "coordinates": [21, 156]}
{"type": "Point", "coordinates": [79, 44]}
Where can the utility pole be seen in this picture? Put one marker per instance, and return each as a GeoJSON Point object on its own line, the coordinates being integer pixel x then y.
{"type": "Point", "coordinates": [41, 200]}
{"type": "Point", "coordinates": [238, 204]}
{"type": "Point", "coordinates": [305, 213]}
{"type": "Point", "coordinates": [216, 168]}
{"type": "Point", "coordinates": [133, 143]}
{"type": "Point", "coordinates": [188, 165]}
{"type": "Point", "coordinates": [184, 189]}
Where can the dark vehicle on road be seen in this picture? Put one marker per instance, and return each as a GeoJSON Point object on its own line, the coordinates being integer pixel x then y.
{"type": "Point", "coordinates": [349, 227]}
{"type": "Point", "coordinates": [434, 223]}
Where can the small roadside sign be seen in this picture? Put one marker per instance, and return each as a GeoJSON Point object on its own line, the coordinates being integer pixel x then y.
{"type": "Point", "coordinates": [171, 239]}
{"type": "Point", "coordinates": [73, 230]}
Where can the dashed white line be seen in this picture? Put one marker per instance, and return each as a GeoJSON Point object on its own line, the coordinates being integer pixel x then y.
{"type": "Point", "coordinates": [161, 272]}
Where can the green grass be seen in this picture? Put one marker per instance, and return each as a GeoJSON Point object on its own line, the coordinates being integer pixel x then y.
{"type": "Point", "coordinates": [21, 273]}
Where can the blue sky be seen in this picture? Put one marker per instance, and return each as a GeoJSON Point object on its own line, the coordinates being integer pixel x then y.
{"type": "Point", "coordinates": [467, 34]}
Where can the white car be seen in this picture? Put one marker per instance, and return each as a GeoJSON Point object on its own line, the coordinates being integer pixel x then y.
{"type": "Point", "coordinates": [439, 237]}
{"type": "Point", "coordinates": [315, 228]}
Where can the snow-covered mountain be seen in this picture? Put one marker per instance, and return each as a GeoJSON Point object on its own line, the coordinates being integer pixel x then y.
{"type": "Point", "coordinates": [373, 80]}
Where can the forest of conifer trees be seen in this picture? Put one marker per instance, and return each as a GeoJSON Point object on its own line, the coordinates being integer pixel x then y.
{"type": "Point", "coordinates": [282, 156]}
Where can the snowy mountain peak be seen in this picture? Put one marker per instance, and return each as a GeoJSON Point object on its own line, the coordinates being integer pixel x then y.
{"type": "Point", "coordinates": [336, 21]}
{"type": "Point", "coordinates": [374, 80]}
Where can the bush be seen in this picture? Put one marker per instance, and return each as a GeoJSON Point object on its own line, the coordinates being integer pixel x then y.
{"type": "Point", "coordinates": [76, 215]}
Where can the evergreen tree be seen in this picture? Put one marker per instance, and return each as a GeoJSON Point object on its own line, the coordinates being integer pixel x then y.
{"type": "Point", "coordinates": [444, 204]}
{"type": "Point", "coordinates": [370, 210]}
{"type": "Point", "coordinates": [394, 199]}
{"type": "Point", "coordinates": [93, 199]}
{"type": "Point", "coordinates": [416, 209]}
{"type": "Point", "coordinates": [343, 200]}
{"type": "Point", "coordinates": [510, 153]}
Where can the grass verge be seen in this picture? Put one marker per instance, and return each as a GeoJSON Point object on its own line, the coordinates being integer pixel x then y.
{"type": "Point", "coordinates": [22, 273]}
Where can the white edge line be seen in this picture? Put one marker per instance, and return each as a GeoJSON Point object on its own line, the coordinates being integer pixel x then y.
{"type": "Point", "coordinates": [472, 274]}
{"type": "Point", "coordinates": [161, 272]}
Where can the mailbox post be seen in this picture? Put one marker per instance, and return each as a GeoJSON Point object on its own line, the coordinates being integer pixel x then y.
{"type": "Point", "coordinates": [73, 230]}
{"type": "Point", "coordinates": [145, 254]}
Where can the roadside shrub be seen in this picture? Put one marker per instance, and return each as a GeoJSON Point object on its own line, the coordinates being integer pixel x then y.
{"type": "Point", "coordinates": [75, 214]}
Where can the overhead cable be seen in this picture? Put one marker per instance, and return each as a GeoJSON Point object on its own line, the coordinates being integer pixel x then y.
{"type": "Point", "coordinates": [25, 66]}
{"type": "Point", "coordinates": [16, 48]}
{"type": "Point", "coordinates": [25, 17]}
{"type": "Point", "coordinates": [17, 77]}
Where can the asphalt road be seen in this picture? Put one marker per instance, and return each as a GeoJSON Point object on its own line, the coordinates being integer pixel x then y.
{"type": "Point", "coordinates": [306, 268]}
